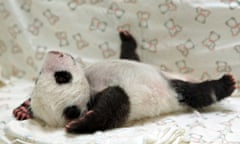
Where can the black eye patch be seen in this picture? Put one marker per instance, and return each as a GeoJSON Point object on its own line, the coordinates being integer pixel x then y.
{"type": "Point", "coordinates": [62, 77]}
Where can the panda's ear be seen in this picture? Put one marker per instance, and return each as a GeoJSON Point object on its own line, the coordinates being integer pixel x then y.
{"type": "Point", "coordinates": [63, 77]}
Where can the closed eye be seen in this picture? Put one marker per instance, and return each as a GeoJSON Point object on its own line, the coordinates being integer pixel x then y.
{"type": "Point", "coordinates": [63, 77]}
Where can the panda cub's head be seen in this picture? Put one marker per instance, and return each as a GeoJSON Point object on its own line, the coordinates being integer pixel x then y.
{"type": "Point", "coordinates": [61, 69]}
{"type": "Point", "coordinates": [61, 84]}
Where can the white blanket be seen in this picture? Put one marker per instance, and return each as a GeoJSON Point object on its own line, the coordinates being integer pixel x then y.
{"type": "Point", "coordinates": [217, 124]}
{"type": "Point", "coordinates": [33, 132]}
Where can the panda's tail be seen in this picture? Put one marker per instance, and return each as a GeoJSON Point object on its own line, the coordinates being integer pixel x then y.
{"type": "Point", "coordinates": [198, 95]}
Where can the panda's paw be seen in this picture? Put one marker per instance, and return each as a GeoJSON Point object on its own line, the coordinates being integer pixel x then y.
{"type": "Point", "coordinates": [126, 36]}
{"type": "Point", "coordinates": [72, 126]}
{"type": "Point", "coordinates": [23, 111]}
{"type": "Point", "coordinates": [228, 85]}
{"type": "Point", "coordinates": [82, 125]}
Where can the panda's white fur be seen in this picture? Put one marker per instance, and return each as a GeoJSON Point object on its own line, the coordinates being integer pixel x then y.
{"type": "Point", "coordinates": [148, 89]}
{"type": "Point", "coordinates": [49, 99]}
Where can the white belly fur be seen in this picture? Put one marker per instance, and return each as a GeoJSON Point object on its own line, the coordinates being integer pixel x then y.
{"type": "Point", "coordinates": [149, 92]}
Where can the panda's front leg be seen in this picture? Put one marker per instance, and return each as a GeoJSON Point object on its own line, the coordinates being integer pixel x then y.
{"type": "Point", "coordinates": [23, 111]}
{"type": "Point", "coordinates": [108, 109]}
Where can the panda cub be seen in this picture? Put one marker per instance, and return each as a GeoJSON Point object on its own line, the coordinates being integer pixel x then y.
{"type": "Point", "coordinates": [109, 93]}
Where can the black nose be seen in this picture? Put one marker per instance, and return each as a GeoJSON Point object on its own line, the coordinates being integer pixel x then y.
{"type": "Point", "coordinates": [57, 53]}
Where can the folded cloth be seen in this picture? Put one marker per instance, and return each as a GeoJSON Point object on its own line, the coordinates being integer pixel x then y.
{"type": "Point", "coordinates": [31, 131]}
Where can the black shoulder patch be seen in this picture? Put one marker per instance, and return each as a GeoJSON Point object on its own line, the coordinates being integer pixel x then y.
{"type": "Point", "coordinates": [107, 109]}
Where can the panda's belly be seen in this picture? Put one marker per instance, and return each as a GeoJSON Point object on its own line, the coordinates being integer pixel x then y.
{"type": "Point", "coordinates": [148, 91]}
{"type": "Point", "coordinates": [151, 99]}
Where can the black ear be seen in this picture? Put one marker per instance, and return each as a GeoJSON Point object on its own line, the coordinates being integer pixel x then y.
{"type": "Point", "coordinates": [62, 77]}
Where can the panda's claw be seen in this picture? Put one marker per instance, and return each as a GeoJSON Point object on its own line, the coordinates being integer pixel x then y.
{"type": "Point", "coordinates": [23, 111]}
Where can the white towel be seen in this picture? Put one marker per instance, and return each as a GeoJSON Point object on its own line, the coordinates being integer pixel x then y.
{"type": "Point", "coordinates": [31, 131]}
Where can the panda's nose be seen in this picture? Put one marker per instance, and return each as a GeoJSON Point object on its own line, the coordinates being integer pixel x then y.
{"type": "Point", "coordinates": [57, 53]}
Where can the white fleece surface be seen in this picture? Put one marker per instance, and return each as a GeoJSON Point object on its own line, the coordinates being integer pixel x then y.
{"type": "Point", "coordinates": [216, 125]}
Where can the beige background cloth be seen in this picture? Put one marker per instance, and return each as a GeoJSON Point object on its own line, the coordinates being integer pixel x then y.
{"type": "Point", "coordinates": [200, 38]}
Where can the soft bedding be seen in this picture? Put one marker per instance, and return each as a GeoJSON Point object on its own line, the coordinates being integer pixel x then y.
{"type": "Point", "coordinates": [217, 124]}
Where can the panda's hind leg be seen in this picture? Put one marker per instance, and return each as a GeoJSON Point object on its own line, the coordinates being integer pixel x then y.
{"type": "Point", "coordinates": [107, 109]}
{"type": "Point", "coordinates": [198, 95]}
{"type": "Point", "coordinates": [128, 46]}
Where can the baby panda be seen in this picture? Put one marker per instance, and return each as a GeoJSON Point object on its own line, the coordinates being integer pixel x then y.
{"type": "Point", "coordinates": [110, 93]}
{"type": "Point", "coordinates": [127, 51]}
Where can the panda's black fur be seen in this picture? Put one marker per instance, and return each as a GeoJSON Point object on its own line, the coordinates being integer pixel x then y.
{"type": "Point", "coordinates": [110, 93]}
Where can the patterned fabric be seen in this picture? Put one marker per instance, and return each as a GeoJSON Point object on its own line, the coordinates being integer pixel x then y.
{"type": "Point", "coordinates": [198, 38]}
